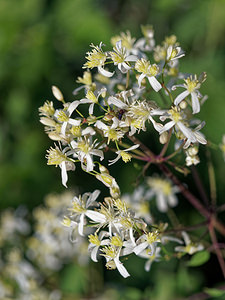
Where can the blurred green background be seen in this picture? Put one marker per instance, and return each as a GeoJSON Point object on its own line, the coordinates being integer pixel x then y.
{"type": "Point", "coordinates": [43, 43]}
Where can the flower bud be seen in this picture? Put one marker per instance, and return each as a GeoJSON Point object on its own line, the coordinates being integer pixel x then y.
{"type": "Point", "coordinates": [163, 138]}
{"type": "Point", "coordinates": [57, 93]}
{"type": "Point", "coordinates": [183, 104]}
{"type": "Point", "coordinates": [192, 151]}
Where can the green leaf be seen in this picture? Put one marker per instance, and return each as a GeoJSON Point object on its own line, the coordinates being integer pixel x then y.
{"type": "Point", "coordinates": [199, 259]}
{"type": "Point", "coordinates": [214, 292]}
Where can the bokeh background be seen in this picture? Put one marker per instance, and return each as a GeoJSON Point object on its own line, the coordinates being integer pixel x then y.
{"type": "Point", "coordinates": [43, 43]}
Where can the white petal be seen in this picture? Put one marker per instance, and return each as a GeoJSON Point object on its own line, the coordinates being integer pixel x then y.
{"type": "Point", "coordinates": [181, 97]}
{"type": "Point", "coordinates": [132, 148]}
{"type": "Point", "coordinates": [81, 225]}
{"type": "Point", "coordinates": [97, 153]}
{"type": "Point", "coordinates": [113, 161]}
{"type": "Point", "coordinates": [186, 238]}
{"type": "Point", "coordinates": [156, 85]}
{"type": "Point", "coordinates": [74, 122]}
{"type": "Point", "coordinates": [120, 267]}
{"type": "Point", "coordinates": [88, 131]}
{"type": "Point", "coordinates": [91, 109]}
{"type": "Point", "coordinates": [118, 103]}
{"type": "Point", "coordinates": [95, 216]}
{"type": "Point", "coordinates": [169, 51]}
{"type": "Point", "coordinates": [187, 132]}
{"type": "Point", "coordinates": [104, 72]}
{"type": "Point", "coordinates": [148, 265]}
{"type": "Point", "coordinates": [63, 128]}
{"type": "Point", "coordinates": [140, 78]}
{"type": "Point", "coordinates": [90, 164]}
{"type": "Point", "coordinates": [161, 202]}
{"type": "Point", "coordinates": [73, 106]}
{"type": "Point", "coordinates": [94, 252]}
{"type": "Point", "coordinates": [200, 137]}
{"type": "Point", "coordinates": [138, 249]}
{"type": "Point", "coordinates": [92, 197]}
{"type": "Point", "coordinates": [101, 125]}
{"type": "Point", "coordinates": [172, 200]}
{"type": "Point", "coordinates": [132, 236]}
{"type": "Point", "coordinates": [131, 58]}
{"type": "Point", "coordinates": [167, 126]}
{"type": "Point", "coordinates": [195, 103]}
{"type": "Point", "coordinates": [64, 173]}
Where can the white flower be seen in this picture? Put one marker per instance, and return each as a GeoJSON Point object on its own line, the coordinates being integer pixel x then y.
{"type": "Point", "coordinates": [112, 132]}
{"type": "Point", "coordinates": [112, 254]}
{"type": "Point", "coordinates": [64, 117]}
{"type": "Point", "coordinates": [191, 85]}
{"type": "Point", "coordinates": [95, 243]}
{"type": "Point", "coordinates": [97, 58]}
{"type": "Point", "coordinates": [178, 121]}
{"type": "Point", "coordinates": [79, 209]}
{"type": "Point", "coordinates": [83, 149]}
{"type": "Point", "coordinates": [148, 240]}
{"type": "Point", "coordinates": [60, 158]}
{"type": "Point", "coordinates": [123, 153]}
{"type": "Point", "coordinates": [164, 192]}
{"type": "Point", "coordinates": [150, 71]}
{"type": "Point", "coordinates": [174, 53]}
{"type": "Point", "coordinates": [189, 247]}
{"type": "Point", "coordinates": [121, 57]}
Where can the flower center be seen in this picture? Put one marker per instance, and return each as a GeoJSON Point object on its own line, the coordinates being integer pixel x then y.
{"type": "Point", "coordinates": [93, 238]}
{"type": "Point", "coordinates": [91, 96]}
{"type": "Point", "coordinates": [175, 114]}
{"type": "Point", "coordinates": [116, 241]}
{"type": "Point", "coordinates": [125, 156]}
{"type": "Point", "coordinates": [62, 116]}
{"type": "Point", "coordinates": [191, 84]}
{"type": "Point", "coordinates": [55, 157]}
{"type": "Point", "coordinates": [154, 70]}
{"type": "Point", "coordinates": [84, 147]}
{"type": "Point", "coordinates": [152, 237]}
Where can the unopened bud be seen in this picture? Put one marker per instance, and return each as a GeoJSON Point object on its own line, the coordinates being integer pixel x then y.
{"type": "Point", "coordinates": [183, 104]}
{"type": "Point", "coordinates": [163, 138]}
{"type": "Point", "coordinates": [103, 169]}
{"type": "Point", "coordinates": [192, 151]}
{"type": "Point", "coordinates": [57, 93]}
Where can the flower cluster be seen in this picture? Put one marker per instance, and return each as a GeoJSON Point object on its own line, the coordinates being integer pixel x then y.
{"type": "Point", "coordinates": [137, 87]}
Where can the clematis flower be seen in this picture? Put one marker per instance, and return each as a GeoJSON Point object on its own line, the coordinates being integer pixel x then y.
{"type": "Point", "coordinates": [60, 158]}
{"type": "Point", "coordinates": [121, 57]}
{"type": "Point", "coordinates": [164, 191]}
{"type": "Point", "coordinates": [192, 86]}
{"type": "Point", "coordinates": [84, 149]}
{"type": "Point", "coordinates": [147, 240]}
{"type": "Point", "coordinates": [123, 153]}
{"type": "Point", "coordinates": [80, 209]}
{"type": "Point", "coordinates": [144, 67]}
{"type": "Point", "coordinates": [189, 247]}
{"type": "Point", "coordinates": [97, 58]}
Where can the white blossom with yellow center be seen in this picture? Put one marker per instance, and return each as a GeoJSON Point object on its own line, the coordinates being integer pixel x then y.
{"type": "Point", "coordinates": [97, 58]}
{"type": "Point", "coordinates": [79, 210]}
{"type": "Point", "coordinates": [84, 149]}
{"type": "Point", "coordinates": [144, 67]}
{"type": "Point", "coordinates": [148, 240]}
{"type": "Point", "coordinates": [192, 85]}
{"type": "Point", "coordinates": [126, 157]}
{"type": "Point", "coordinates": [121, 57]}
{"type": "Point", "coordinates": [59, 158]}
{"type": "Point", "coordinates": [164, 192]}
